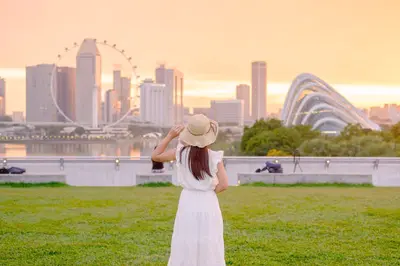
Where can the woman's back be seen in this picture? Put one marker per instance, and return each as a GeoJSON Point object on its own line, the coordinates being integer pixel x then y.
{"type": "Point", "coordinates": [198, 237]}
{"type": "Point", "coordinates": [185, 177]}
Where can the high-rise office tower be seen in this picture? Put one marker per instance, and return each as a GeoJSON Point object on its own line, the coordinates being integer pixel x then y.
{"type": "Point", "coordinates": [18, 116]}
{"type": "Point", "coordinates": [259, 90]}
{"type": "Point", "coordinates": [122, 86]}
{"type": "Point", "coordinates": [66, 84]}
{"type": "Point", "coordinates": [228, 112]}
{"type": "Point", "coordinates": [2, 97]}
{"type": "Point", "coordinates": [111, 106]}
{"type": "Point", "coordinates": [39, 103]}
{"type": "Point", "coordinates": [88, 84]}
{"type": "Point", "coordinates": [154, 103]}
{"type": "Point", "coordinates": [173, 80]}
{"type": "Point", "coordinates": [243, 93]}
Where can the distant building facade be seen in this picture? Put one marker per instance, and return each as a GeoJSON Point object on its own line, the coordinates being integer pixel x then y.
{"type": "Point", "coordinates": [18, 116]}
{"type": "Point", "coordinates": [122, 86]}
{"type": "Point", "coordinates": [155, 104]}
{"type": "Point", "coordinates": [88, 84]}
{"type": "Point", "coordinates": [39, 103]}
{"type": "Point", "coordinates": [111, 106]}
{"type": "Point", "coordinates": [228, 112]}
{"type": "Point", "coordinates": [173, 80]}
{"type": "Point", "coordinates": [66, 84]}
{"type": "Point", "coordinates": [243, 93]}
{"type": "Point", "coordinates": [202, 110]}
{"type": "Point", "coordinates": [2, 97]}
{"type": "Point", "coordinates": [259, 90]}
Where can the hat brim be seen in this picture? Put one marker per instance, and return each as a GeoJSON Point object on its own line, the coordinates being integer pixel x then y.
{"type": "Point", "coordinates": [200, 141]}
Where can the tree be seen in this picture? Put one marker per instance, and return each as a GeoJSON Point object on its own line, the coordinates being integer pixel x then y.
{"type": "Point", "coordinates": [282, 138]}
{"type": "Point", "coordinates": [259, 144]}
{"type": "Point", "coordinates": [5, 118]}
{"type": "Point", "coordinates": [351, 130]}
{"type": "Point", "coordinates": [286, 139]}
{"type": "Point", "coordinates": [395, 131]}
{"type": "Point", "coordinates": [320, 147]}
{"type": "Point", "coordinates": [259, 127]}
{"type": "Point", "coordinates": [277, 153]}
{"type": "Point", "coordinates": [386, 135]}
{"type": "Point", "coordinates": [270, 137]}
{"type": "Point", "coordinates": [377, 149]}
{"type": "Point", "coordinates": [229, 148]}
{"type": "Point", "coordinates": [79, 131]}
{"type": "Point", "coordinates": [359, 146]}
{"type": "Point", "coordinates": [306, 132]}
{"type": "Point", "coordinates": [53, 131]}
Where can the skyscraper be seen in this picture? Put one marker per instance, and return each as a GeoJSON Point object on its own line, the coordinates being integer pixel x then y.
{"type": "Point", "coordinates": [243, 93]}
{"type": "Point", "coordinates": [18, 116]}
{"type": "Point", "coordinates": [259, 90]}
{"type": "Point", "coordinates": [2, 97]}
{"type": "Point", "coordinates": [111, 106]}
{"type": "Point", "coordinates": [125, 95]}
{"type": "Point", "coordinates": [39, 103]}
{"type": "Point", "coordinates": [173, 80]}
{"type": "Point", "coordinates": [88, 84]}
{"type": "Point", "coordinates": [66, 84]}
{"type": "Point", "coordinates": [154, 103]}
{"type": "Point", "coordinates": [227, 112]}
{"type": "Point", "coordinates": [122, 86]}
{"type": "Point", "coordinates": [202, 110]}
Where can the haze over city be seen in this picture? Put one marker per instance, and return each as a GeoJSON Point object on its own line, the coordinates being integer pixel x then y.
{"type": "Point", "coordinates": [350, 44]}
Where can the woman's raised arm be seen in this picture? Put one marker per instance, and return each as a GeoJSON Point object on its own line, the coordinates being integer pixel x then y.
{"type": "Point", "coordinates": [160, 154]}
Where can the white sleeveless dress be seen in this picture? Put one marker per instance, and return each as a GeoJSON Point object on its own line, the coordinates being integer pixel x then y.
{"type": "Point", "coordinates": [198, 238]}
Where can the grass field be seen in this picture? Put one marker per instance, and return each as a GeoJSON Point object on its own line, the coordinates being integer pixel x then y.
{"type": "Point", "coordinates": [263, 225]}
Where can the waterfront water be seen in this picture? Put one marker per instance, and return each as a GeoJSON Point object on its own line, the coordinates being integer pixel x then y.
{"type": "Point", "coordinates": [118, 148]}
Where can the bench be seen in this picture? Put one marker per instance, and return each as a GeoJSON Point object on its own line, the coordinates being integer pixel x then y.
{"type": "Point", "coordinates": [304, 178]}
{"type": "Point", "coordinates": [33, 178]}
{"type": "Point", "coordinates": [145, 178]}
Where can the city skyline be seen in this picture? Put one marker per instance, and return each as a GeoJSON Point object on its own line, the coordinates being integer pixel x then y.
{"type": "Point", "coordinates": [357, 53]}
{"type": "Point", "coordinates": [363, 96]}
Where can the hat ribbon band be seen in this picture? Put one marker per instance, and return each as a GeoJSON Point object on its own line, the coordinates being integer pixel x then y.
{"type": "Point", "coordinates": [198, 135]}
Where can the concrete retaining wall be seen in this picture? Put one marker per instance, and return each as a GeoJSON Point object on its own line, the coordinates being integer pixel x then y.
{"type": "Point", "coordinates": [33, 178]}
{"type": "Point", "coordinates": [122, 171]}
{"type": "Point", "coordinates": [153, 178]}
{"type": "Point", "coordinates": [295, 178]}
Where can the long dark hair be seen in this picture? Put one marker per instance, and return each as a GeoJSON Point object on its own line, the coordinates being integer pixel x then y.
{"type": "Point", "coordinates": [157, 165]}
{"type": "Point", "coordinates": [197, 161]}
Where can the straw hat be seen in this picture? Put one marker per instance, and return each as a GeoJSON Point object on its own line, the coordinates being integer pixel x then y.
{"type": "Point", "coordinates": [200, 131]}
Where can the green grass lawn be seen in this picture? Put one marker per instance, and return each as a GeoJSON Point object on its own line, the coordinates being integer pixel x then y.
{"type": "Point", "coordinates": [263, 225]}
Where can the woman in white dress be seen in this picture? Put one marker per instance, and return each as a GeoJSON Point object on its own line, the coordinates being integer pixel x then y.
{"type": "Point", "coordinates": [198, 238]}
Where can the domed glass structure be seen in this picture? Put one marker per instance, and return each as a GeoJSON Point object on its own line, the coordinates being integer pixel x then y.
{"type": "Point", "coordinates": [311, 101]}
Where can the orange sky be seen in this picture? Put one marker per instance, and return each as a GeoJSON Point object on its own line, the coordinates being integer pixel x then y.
{"type": "Point", "coordinates": [214, 41]}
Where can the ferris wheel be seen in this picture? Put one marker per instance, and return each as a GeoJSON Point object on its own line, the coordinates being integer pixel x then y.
{"type": "Point", "coordinates": [134, 78]}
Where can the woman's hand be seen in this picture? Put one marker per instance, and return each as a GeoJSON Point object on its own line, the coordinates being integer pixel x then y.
{"type": "Point", "coordinates": [159, 154]}
{"type": "Point", "coordinates": [175, 131]}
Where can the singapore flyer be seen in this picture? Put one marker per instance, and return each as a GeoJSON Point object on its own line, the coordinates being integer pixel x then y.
{"type": "Point", "coordinates": [123, 98]}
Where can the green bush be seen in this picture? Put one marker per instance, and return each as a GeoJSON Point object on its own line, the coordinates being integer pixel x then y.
{"type": "Point", "coordinates": [156, 184]}
{"type": "Point", "coordinates": [27, 185]}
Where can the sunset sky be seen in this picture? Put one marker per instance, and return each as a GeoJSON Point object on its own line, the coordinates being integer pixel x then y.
{"type": "Point", "coordinates": [353, 45]}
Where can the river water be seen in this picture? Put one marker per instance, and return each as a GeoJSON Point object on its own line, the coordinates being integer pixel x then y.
{"type": "Point", "coordinates": [119, 148]}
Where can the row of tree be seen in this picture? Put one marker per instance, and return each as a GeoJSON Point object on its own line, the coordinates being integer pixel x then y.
{"type": "Point", "coordinates": [271, 138]}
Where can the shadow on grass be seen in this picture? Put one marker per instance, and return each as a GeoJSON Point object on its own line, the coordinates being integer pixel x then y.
{"type": "Point", "coordinates": [156, 184]}
{"type": "Point", "coordinates": [27, 185]}
{"type": "Point", "coordinates": [342, 185]}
